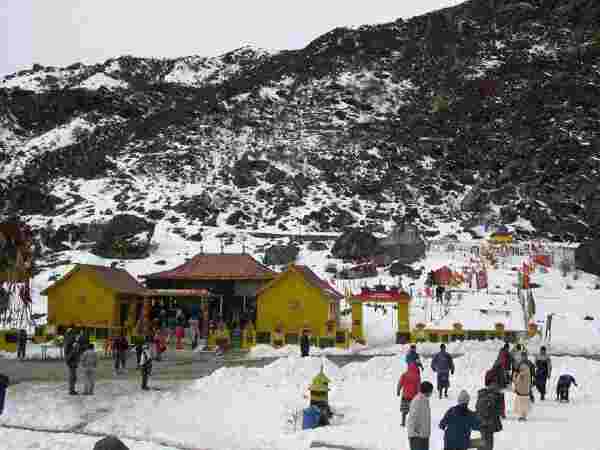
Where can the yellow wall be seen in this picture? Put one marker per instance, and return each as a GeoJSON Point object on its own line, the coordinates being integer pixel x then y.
{"type": "Point", "coordinates": [292, 301]}
{"type": "Point", "coordinates": [81, 300]}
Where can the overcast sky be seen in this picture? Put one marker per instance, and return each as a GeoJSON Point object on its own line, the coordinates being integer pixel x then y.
{"type": "Point", "coordinates": [61, 32]}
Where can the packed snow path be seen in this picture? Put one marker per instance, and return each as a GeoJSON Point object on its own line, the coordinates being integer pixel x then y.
{"type": "Point", "coordinates": [240, 408]}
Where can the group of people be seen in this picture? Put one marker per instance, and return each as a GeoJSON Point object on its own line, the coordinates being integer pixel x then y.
{"type": "Point", "coordinates": [490, 408]}
{"type": "Point", "coordinates": [79, 351]}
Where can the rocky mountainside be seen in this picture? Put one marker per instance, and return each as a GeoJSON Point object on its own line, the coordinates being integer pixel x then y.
{"type": "Point", "coordinates": [484, 112]}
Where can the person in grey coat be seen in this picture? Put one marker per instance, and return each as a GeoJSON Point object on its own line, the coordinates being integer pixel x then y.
{"type": "Point", "coordinates": [418, 425]}
{"type": "Point", "coordinates": [89, 363]}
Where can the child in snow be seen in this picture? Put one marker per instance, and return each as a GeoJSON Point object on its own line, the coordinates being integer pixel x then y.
{"type": "Point", "coordinates": [89, 363]}
{"type": "Point", "coordinates": [146, 367]}
{"type": "Point", "coordinates": [443, 365]}
{"type": "Point", "coordinates": [457, 423]}
{"type": "Point", "coordinates": [543, 371]}
{"type": "Point", "coordinates": [409, 384]}
{"type": "Point", "coordinates": [563, 386]}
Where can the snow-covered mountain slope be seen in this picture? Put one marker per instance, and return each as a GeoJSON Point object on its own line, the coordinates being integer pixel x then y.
{"type": "Point", "coordinates": [484, 112]}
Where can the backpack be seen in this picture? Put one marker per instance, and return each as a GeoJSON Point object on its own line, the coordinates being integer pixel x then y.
{"type": "Point", "coordinates": [486, 407]}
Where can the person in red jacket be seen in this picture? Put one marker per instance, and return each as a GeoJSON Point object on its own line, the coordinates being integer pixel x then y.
{"type": "Point", "coordinates": [409, 384]}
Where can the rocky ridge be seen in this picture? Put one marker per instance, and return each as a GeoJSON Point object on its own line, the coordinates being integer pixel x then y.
{"type": "Point", "coordinates": [484, 112]}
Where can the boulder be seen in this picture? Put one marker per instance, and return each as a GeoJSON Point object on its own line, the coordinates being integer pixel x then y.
{"type": "Point", "coordinates": [587, 257]}
{"type": "Point", "coordinates": [279, 255]}
{"type": "Point", "coordinates": [317, 246]}
{"type": "Point", "coordinates": [67, 236]}
{"type": "Point", "coordinates": [110, 443]}
{"type": "Point", "coordinates": [355, 244]}
{"type": "Point", "coordinates": [404, 244]}
{"type": "Point", "coordinates": [403, 269]}
{"type": "Point", "coordinates": [125, 237]}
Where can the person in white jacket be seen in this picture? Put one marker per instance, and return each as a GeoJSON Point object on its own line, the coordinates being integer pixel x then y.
{"type": "Point", "coordinates": [89, 363]}
{"type": "Point", "coordinates": [418, 425]}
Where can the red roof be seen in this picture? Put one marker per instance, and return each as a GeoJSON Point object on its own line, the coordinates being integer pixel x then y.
{"type": "Point", "coordinates": [217, 266]}
{"type": "Point", "coordinates": [388, 295]}
{"type": "Point", "coordinates": [318, 282]}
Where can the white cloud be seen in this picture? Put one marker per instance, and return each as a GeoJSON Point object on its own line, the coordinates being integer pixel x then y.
{"type": "Point", "coordinates": [66, 31]}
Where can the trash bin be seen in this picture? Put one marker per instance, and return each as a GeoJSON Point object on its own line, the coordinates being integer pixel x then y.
{"type": "Point", "coordinates": [3, 386]}
{"type": "Point", "coordinates": [311, 416]}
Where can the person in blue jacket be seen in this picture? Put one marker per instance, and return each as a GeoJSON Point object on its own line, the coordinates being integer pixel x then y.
{"type": "Point", "coordinates": [458, 422]}
{"type": "Point", "coordinates": [413, 356]}
{"type": "Point", "coordinates": [443, 365]}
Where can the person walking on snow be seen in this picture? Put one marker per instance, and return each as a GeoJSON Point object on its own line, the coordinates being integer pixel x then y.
{"type": "Point", "coordinates": [89, 362]}
{"type": "Point", "coordinates": [72, 355]}
{"type": "Point", "coordinates": [418, 426]}
{"type": "Point", "coordinates": [443, 365]}
{"type": "Point", "coordinates": [563, 386]}
{"type": "Point", "coordinates": [505, 361]}
{"type": "Point", "coordinates": [525, 359]}
{"type": "Point", "coordinates": [21, 344]}
{"type": "Point", "coordinates": [458, 422]}
{"type": "Point", "coordinates": [490, 408]}
{"type": "Point", "coordinates": [304, 344]}
{"type": "Point", "coordinates": [409, 386]}
{"type": "Point", "coordinates": [543, 371]}
{"type": "Point", "coordinates": [515, 359]}
{"type": "Point", "coordinates": [521, 388]}
{"type": "Point", "coordinates": [413, 356]}
{"type": "Point", "coordinates": [146, 367]}
{"type": "Point", "coordinates": [120, 353]}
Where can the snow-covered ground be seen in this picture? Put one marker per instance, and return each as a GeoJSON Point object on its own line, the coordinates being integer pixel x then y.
{"type": "Point", "coordinates": [254, 408]}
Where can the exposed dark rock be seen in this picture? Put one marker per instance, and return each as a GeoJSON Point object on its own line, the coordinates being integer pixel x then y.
{"type": "Point", "coordinates": [279, 255]}
{"type": "Point", "coordinates": [237, 217]}
{"type": "Point", "coordinates": [404, 244]}
{"type": "Point", "coordinates": [155, 214]}
{"type": "Point", "coordinates": [125, 237]}
{"type": "Point", "coordinates": [587, 257]}
{"type": "Point", "coordinates": [317, 246]}
{"type": "Point", "coordinates": [110, 443]}
{"type": "Point", "coordinates": [402, 269]}
{"type": "Point", "coordinates": [355, 244]}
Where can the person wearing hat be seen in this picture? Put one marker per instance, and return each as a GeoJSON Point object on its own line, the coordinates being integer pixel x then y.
{"type": "Point", "coordinates": [458, 422]}
{"type": "Point", "coordinates": [146, 366]}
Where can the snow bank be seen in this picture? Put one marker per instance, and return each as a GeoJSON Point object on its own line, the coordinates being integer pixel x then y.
{"type": "Point", "coordinates": [99, 80]}
{"type": "Point", "coordinates": [253, 408]}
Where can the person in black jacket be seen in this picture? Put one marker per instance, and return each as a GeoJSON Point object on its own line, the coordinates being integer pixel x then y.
{"type": "Point", "coordinates": [563, 386]}
{"type": "Point", "coordinates": [21, 344]}
{"type": "Point", "coordinates": [72, 355]}
{"type": "Point", "coordinates": [304, 344]}
{"type": "Point", "coordinates": [489, 409]}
